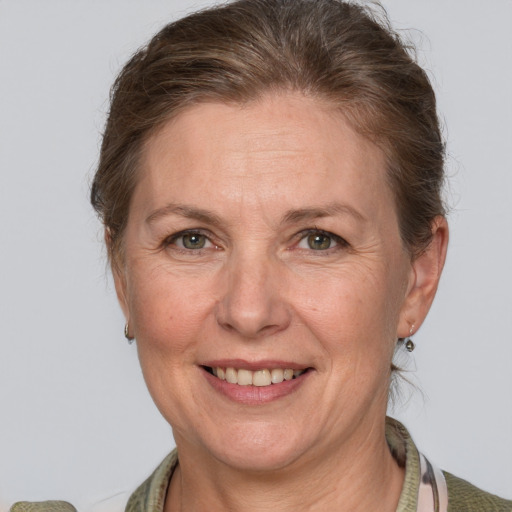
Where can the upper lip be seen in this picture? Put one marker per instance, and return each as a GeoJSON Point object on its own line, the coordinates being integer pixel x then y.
{"type": "Point", "coordinates": [254, 365]}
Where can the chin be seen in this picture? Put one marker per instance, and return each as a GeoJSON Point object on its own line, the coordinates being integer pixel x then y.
{"type": "Point", "coordinates": [258, 449]}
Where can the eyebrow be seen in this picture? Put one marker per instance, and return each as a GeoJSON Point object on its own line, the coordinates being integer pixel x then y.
{"type": "Point", "coordinates": [189, 212]}
{"type": "Point", "coordinates": [330, 210]}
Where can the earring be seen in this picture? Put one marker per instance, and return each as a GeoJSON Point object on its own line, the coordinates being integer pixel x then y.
{"type": "Point", "coordinates": [409, 344]}
{"type": "Point", "coordinates": [127, 334]}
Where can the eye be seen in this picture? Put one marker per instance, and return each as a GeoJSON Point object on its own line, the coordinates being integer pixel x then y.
{"type": "Point", "coordinates": [193, 241]}
{"type": "Point", "coordinates": [190, 241]}
{"type": "Point", "coordinates": [317, 240]}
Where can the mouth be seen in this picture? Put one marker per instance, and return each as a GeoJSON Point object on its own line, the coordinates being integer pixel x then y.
{"type": "Point", "coordinates": [263, 377]}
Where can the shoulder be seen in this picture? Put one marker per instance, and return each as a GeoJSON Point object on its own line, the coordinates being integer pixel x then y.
{"type": "Point", "coordinates": [465, 497]}
{"type": "Point", "coordinates": [150, 496]}
{"type": "Point", "coordinates": [42, 506]}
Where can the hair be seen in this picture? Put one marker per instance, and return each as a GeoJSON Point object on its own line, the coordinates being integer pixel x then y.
{"type": "Point", "coordinates": [332, 50]}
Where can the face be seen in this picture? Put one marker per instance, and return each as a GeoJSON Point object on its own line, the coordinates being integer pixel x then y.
{"type": "Point", "coordinates": [263, 243]}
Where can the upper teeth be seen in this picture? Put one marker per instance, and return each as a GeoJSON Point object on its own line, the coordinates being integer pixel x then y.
{"type": "Point", "coordinates": [264, 377]}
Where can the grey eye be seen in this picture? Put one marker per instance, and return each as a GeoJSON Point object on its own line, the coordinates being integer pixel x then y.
{"type": "Point", "coordinates": [319, 241]}
{"type": "Point", "coordinates": [193, 241]}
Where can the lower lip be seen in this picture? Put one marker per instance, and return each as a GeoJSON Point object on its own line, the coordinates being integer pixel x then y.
{"type": "Point", "coordinates": [255, 395]}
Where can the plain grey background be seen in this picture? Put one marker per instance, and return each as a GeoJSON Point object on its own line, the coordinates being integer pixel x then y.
{"type": "Point", "coordinates": [77, 422]}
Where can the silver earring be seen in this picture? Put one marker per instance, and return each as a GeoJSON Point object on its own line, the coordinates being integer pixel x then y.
{"type": "Point", "coordinates": [409, 344]}
{"type": "Point", "coordinates": [127, 334]}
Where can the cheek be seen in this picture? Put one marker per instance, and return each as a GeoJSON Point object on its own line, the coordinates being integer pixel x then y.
{"type": "Point", "coordinates": [167, 309]}
{"type": "Point", "coordinates": [354, 312]}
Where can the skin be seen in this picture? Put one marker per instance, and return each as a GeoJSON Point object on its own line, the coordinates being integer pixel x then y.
{"type": "Point", "coordinates": [265, 176]}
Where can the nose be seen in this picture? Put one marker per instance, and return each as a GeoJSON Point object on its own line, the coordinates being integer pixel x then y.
{"type": "Point", "coordinates": [253, 303]}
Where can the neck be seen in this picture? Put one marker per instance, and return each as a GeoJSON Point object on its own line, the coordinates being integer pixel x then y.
{"type": "Point", "coordinates": [358, 476]}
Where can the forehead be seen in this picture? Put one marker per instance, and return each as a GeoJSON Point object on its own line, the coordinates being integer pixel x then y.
{"type": "Point", "coordinates": [283, 147]}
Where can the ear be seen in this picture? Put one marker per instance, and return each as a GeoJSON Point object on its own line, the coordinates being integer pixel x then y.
{"type": "Point", "coordinates": [424, 278]}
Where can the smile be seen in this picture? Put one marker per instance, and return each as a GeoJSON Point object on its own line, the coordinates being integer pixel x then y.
{"type": "Point", "coordinates": [260, 378]}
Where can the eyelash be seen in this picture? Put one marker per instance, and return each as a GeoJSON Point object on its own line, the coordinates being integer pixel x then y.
{"type": "Point", "coordinates": [300, 237]}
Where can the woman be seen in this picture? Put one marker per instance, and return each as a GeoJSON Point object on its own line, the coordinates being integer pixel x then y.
{"type": "Point", "coordinates": [270, 182]}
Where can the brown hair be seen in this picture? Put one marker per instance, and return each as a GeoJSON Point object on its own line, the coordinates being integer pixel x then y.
{"type": "Point", "coordinates": [329, 49]}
